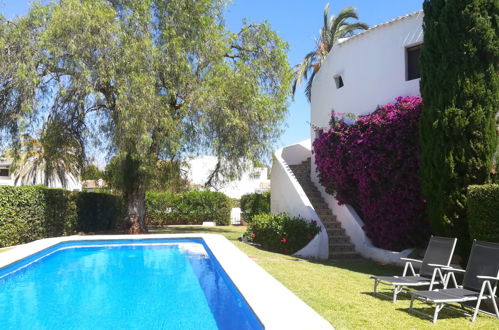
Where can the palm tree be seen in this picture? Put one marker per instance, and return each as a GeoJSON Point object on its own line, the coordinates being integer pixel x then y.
{"type": "Point", "coordinates": [56, 155]}
{"type": "Point", "coordinates": [333, 29]}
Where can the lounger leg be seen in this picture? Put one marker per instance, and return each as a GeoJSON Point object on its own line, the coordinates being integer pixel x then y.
{"type": "Point", "coordinates": [493, 299]}
{"type": "Point", "coordinates": [412, 304]}
{"type": "Point", "coordinates": [396, 290]}
{"type": "Point", "coordinates": [395, 293]}
{"type": "Point", "coordinates": [438, 308]}
{"type": "Point", "coordinates": [376, 282]}
{"type": "Point", "coordinates": [478, 302]}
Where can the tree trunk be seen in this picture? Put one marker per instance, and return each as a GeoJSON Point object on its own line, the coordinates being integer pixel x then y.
{"type": "Point", "coordinates": [134, 193]}
{"type": "Point", "coordinates": [135, 211]}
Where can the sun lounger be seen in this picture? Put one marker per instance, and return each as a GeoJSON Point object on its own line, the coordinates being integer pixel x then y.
{"type": "Point", "coordinates": [479, 283]}
{"type": "Point", "coordinates": [438, 254]}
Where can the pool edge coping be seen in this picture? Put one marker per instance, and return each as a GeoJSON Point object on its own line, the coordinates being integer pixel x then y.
{"type": "Point", "coordinates": [274, 305]}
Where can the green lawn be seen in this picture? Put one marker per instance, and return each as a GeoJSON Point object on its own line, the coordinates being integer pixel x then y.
{"type": "Point", "coordinates": [340, 291]}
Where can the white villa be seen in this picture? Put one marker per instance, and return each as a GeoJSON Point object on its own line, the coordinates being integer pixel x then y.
{"type": "Point", "coordinates": [361, 72]}
{"type": "Point", "coordinates": [7, 178]}
{"type": "Point", "coordinates": [254, 179]}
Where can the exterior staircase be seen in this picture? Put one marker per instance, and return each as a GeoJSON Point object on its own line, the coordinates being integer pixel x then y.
{"type": "Point", "coordinates": [340, 246]}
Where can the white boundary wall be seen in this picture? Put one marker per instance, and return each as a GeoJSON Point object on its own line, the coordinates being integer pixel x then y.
{"type": "Point", "coordinates": [288, 196]}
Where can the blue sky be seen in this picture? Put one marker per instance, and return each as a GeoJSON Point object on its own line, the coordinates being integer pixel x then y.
{"type": "Point", "coordinates": [298, 22]}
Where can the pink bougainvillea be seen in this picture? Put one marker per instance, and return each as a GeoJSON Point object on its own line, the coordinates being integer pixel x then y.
{"type": "Point", "coordinates": [374, 166]}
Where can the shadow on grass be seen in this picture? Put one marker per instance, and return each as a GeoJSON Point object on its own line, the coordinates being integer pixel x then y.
{"type": "Point", "coordinates": [361, 265]}
{"type": "Point", "coordinates": [387, 296]}
{"type": "Point", "coordinates": [426, 313]}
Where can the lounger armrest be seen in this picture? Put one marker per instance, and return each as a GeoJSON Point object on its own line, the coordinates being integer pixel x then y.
{"type": "Point", "coordinates": [483, 277]}
{"type": "Point", "coordinates": [439, 265]}
{"type": "Point", "coordinates": [411, 260]}
{"type": "Point", "coordinates": [452, 269]}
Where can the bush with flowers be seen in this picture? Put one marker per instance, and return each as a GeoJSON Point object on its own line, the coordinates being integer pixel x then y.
{"type": "Point", "coordinates": [280, 232]}
{"type": "Point", "coordinates": [374, 165]}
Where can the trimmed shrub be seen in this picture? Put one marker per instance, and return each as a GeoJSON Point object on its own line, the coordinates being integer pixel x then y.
{"type": "Point", "coordinates": [374, 166]}
{"type": "Point", "coordinates": [483, 212]}
{"type": "Point", "coordinates": [280, 232]}
{"type": "Point", "coordinates": [254, 204]}
{"type": "Point", "coordinates": [98, 211]}
{"type": "Point", "coordinates": [31, 213]}
{"type": "Point", "coordinates": [191, 207]}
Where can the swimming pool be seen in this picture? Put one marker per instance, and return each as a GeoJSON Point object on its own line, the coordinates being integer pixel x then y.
{"type": "Point", "coordinates": [130, 282]}
{"type": "Point", "coordinates": [146, 284]}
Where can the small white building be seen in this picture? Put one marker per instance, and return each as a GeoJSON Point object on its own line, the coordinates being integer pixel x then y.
{"type": "Point", "coordinates": [360, 73]}
{"type": "Point", "coordinates": [5, 175]}
{"type": "Point", "coordinates": [7, 178]}
{"type": "Point", "coordinates": [254, 179]}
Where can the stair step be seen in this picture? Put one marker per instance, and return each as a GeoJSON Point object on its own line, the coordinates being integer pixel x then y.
{"type": "Point", "coordinates": [320, 206]}
{"type": "Point", "coordinates": [338, 239]}
{"type": "Point", "coordinates": [328, 216]}
{"type": "Point", "coordinates": [340, 245]}
{"type": "Point", "coordinates": [341, 249]}
{"type": "Point", "coordinates": [344, 255]}
{"type": "Point", "coordinates": [336, 231]}
{"type": "Point", "coordinates": [331, 225]}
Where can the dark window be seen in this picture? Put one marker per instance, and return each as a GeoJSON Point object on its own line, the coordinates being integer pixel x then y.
{"type": "Point", "coordinates": [4, 172]}
{"type": "Point", "coordinates": [338, 81]}
{"type": "Point", "coordinates": [413, 66]}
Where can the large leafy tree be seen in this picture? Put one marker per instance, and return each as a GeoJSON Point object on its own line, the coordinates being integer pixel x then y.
{"type": "Point", "coordinates": [332, 30]}
{"type": "Point", "coordinates": [91, 172]}
{"type": "Point", "coordinates": [460, 88]}
{"type": "Point", "coordinates": [154, 79]}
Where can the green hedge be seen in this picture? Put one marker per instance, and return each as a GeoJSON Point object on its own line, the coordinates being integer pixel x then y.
{"type": "Point", "coordinates": [483, 212]}
{"type": "Point", "coordinates": [280, 232]}
{"type": "Point", "coordinates": [254, 204]}
{"type": "Point", "coordinates": [98, 211]}
{"type": "Point", "coordinates": [31, 213]}
{"type": "Point", "coordinates": [191, 207]}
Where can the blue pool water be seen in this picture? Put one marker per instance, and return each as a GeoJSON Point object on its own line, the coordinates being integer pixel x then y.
{"type": "Point", "coordinates": [147, 284]}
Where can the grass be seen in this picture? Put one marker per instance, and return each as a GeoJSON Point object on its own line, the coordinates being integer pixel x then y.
{"type": "Point", "coordinates": [340, 291]}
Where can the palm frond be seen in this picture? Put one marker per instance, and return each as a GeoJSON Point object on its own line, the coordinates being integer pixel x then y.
{"type": "Point", "coordinates": [326, 15]}
{"type": "Point", "coordinates": [308, 88]}
{"type": "Point", "coordinates": [348, 30]}
{"type": "Point", "coordinates": [341, 21]}
{"type": "Point", "coordinates": [333, 29]}
{"type": "Point", "coordinates": [301, 70]}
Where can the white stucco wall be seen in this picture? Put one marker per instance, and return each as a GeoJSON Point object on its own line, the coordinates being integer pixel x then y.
{"type": "Point", "coordinates": [72, 182]}
{"type": "Point", "coordinates": [288, 196]}
{"type": "Point", "coordinates": [373, 68]}
{"type": "Point", "coordinates": [254, 179]}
